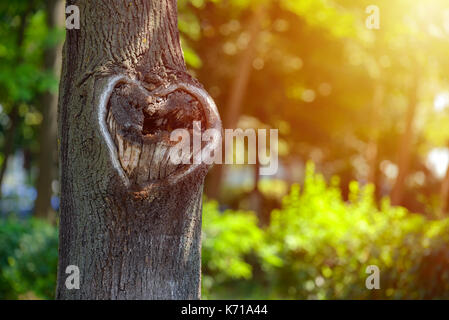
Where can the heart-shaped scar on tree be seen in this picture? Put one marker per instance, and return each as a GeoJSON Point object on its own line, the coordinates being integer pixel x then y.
{"type": "Point", "coordinates": [137, 124]}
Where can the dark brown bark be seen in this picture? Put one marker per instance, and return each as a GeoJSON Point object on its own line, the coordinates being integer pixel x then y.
{"type": "Point", "coordinates": [48, 131]}
{"type": "Point", "coordinates": [130, 238]}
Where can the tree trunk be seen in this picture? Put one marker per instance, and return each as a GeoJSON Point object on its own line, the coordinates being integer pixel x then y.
{"type": "Point", "coordinates": [48, 131]}
{"type": "Point", "coordinates": [372, 152]}
{"type": "Point", "coordinates": [240, 83]}
{"type": "Point", "coordinates": [405, 145]}
{"type": "Point", "coordinates": [444, 194]}
{"type": "Point", "coordinates": [130, 220]}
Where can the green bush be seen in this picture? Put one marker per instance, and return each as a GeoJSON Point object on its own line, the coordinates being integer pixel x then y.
{"type": "Point", "coordinates": [326, 244]}
{"type": "Point", "coordinates": [232, 244]}
{"type": "Point", "coordinates": [318, 247]}
{"type": "Point", "coordinates": [28, 259]}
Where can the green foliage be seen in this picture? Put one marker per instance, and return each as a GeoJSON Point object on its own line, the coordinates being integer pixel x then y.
{"type": "Point", "coordinates": [24, 39]}
{"type": "Point", "coordinates": [21, 76]}
{"type": "Point", "coordinates": [227, 239]}
{"type": "Point", "coordinates": [28, 259]}
{"type": "Point", "coordinates": [319, 246]}
{"type": "Point", "coordinates": [323, 14]}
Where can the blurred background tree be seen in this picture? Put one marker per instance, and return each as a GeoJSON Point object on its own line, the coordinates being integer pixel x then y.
{"type": "Point", "coordinates": [28, 90]}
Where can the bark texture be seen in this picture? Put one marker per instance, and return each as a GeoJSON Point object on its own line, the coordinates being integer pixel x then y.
{"type": "Point", "coordinates": [132, 240]}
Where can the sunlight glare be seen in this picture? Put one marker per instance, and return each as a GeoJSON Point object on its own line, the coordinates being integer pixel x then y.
{"type": "Point", "coordinates": [438, 160]}
{"type": "Point", "coordinates": [441, 101]}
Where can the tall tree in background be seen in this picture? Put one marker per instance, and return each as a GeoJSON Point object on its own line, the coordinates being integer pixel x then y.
{"type": "Point", "coordinates": [130, 219]}
{"type": "Point", "coordinates": [8, 147]}
{"type": "Point", "coordinates": [236, 97]}
{"type": "Point", "coordinates": [373, 145]}
{"type": "Point", "coordinates": [406, 142]}
{"type": "Point", "coordinates": [444, 194]}
{"type": "Point", "coordinates": [48, 132]}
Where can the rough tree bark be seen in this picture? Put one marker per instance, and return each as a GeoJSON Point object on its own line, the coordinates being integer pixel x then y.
{"type": "Point", "coordinates": [130, 221]}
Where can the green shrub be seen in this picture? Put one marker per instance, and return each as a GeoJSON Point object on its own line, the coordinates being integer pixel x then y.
{"type": "Point", "coordinates": [227, 240]}
{"type": "Point", "coordinates": [318, 246]}
{"type": "Point", "coordinates": [28, 259]}
{"type": "Point", "coordinates": [326, 244]}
